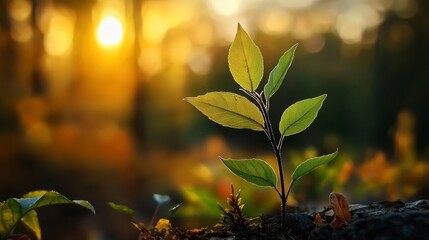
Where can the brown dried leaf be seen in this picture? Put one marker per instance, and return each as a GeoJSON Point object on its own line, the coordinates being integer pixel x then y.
{"type": "Point", "coordinates": [341, 210]}
{"type": "Point", "coordinates": [318, 219]}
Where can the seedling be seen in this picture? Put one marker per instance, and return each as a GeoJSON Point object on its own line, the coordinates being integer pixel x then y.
{"type": "Point", "coordinates": [235, 111]}
{"type": "Point", "coordinates": [162, 227]}
{"type": "Point", "coordinates": [23, 210]}
{"type": "Point", "coordinates": [160, 200]}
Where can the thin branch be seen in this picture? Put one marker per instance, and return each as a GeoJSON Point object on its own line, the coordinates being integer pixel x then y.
{"type": "Point", "coordinates": [267, 133]}
{"type": "Point", "coordinates": [267, 104]}
{"type": "Point", "coordinates": [252, 95]}
{"type": "Point", "coordinates": [288, 190]}
{"type": "Point", "coordinates": [279, 146]}
{"type": "Point", "coordinates": [278, 192]}
{"type": "Point", "coordinates": [262, 109]}
{"type": "Point", "coordinates": [155, 213]}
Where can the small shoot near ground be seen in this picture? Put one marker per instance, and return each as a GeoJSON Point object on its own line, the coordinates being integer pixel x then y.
{"type": "Point", "coordinates": [160, 200]}
{"type": "Point", "coordinates": [162, 227]}
{"type": "Point", "coordinates": [233, 110]}
{"type": "Point", "coordinates": [233, 215]}
{"type": "Point", "coordinates": [16, 211]}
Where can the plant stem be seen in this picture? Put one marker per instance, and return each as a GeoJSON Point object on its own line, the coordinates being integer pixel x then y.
{"type": "Point", "coordinates": [272, 138]}
{"type": "Point", "coordinates": [152, 221]}
{"type": "Point", "coordinates": [280, 144]}
{"type": "Point", "coordinates": [282, 181]}
{"type": "Point", "coordinates": [288, 189]}
{"type": "Point", "coordinates": [280, 165]}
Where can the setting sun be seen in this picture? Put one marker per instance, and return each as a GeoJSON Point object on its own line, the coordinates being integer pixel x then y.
{"type": "Point", "coordinates": [110, 31]}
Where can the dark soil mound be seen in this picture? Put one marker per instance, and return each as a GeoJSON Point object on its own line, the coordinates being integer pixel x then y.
{"type": "Point", "coordinates": [381, 220]}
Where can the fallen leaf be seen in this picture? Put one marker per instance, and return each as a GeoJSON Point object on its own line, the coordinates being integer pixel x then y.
{"type": "Point", "coordinates": [341, 210]}
{"type": "Point", "coordinates": [318, 219]}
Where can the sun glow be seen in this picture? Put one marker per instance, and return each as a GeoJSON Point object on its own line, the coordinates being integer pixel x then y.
{"type": "Point", "coordinates": [110, 31]}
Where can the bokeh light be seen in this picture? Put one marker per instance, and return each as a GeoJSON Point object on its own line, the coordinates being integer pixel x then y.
{"type": "Point", "coordinates": [296, 4]}
{"type": "Point", "coordinates": [59, 32]}
{"type": "Point", "coordinates": [20, 10]}
{"type": "Point", "coordinates": [20, 13]}
{"type": "Point", "coordinates": [225, 7]}
{"type": "Point", "coordinates": [110, 31]}
{"type": "Point", "coordinates": [275, 22]}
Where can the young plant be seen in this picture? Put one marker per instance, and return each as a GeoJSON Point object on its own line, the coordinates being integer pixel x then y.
{"type": "Point", "coordinates": [23, 210]}
{"type": "Point", "coordinates": [162, 227]}
{"type": "Point", "coordinates": [235, 111]}
{"type": "Point", "coordinates": [160, 200]}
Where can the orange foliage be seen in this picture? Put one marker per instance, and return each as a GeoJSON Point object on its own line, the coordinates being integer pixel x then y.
{"type": "Point", "coordinates": [412, 170]}
{"type": "Point", "coordinates": [89, 147]}
{"type": "Point", "coordinates": [401, 178]}
{"type": "Point", "coordinates": [377, 171]}
{"type": "Point", "coordinates": [31, 110]}
{"type": "Point", "coordinates": [345, 172]}
{"type": "Point", "coordinates": [404, 134]}
{"type": "Point", "coordinates": [213, 147]}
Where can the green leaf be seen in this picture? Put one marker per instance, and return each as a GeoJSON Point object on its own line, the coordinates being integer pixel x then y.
{"type": "Point", "coordinates": [297, 117]}
{"type": "Point", "coordinates": [9, 215]}
{"type": "Point", "coordinates": [255, 171]}
{"type": "Point", "coordinates": [245, 61]}
{"type": "Point", "coordinates": [47, 198]}
{"type": "Point", "coordinates": [14, 210]}
{"type": "Point", "coordinates": [229, 110]}
{"type": "Point", "coordinates": [32, 194]}
{"type": "Point", "coordinates": [311, 164]}
{"type": "Point", "coordinates": [32, 222]}
{"type": "Point", "coordinates": [203, 202]}
{"type": "Point", "coordinates": [278, 73]}
{"type": "Point", "coordinates": [121, 208]}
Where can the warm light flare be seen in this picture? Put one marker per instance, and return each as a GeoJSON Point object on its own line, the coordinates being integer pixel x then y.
{"type": "Point", "coordinates": [225, 7]}
{"type": "Point", "coordinates": [110, 31]}
{"type": "Point", "coordinates": [20, 10]}
{"type": "Point", "coordinates": [59, 32]}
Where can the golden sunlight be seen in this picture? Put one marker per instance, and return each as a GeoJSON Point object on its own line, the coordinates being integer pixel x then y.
{"type": "Point", "coordinates": [59, 32]}
{"type": "Point", "coordinates": [110, 31]}
{"type": "Point", "coordinates": [225, 7]}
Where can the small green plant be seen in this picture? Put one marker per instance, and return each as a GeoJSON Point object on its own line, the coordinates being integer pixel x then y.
{"type": "Point", "coordinates": [158, 231]}
{"type": "Point", "coordinates": [16, 211]}
{"type": "Point", "coordinates": [235, 111]}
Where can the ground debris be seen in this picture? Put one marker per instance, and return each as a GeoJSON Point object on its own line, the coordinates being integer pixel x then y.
{"type": "Point", "coordinates": [380, 220]}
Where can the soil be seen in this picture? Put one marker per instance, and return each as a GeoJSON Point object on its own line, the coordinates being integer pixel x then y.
{"type": "Point", "coordinates": [380, 220]}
